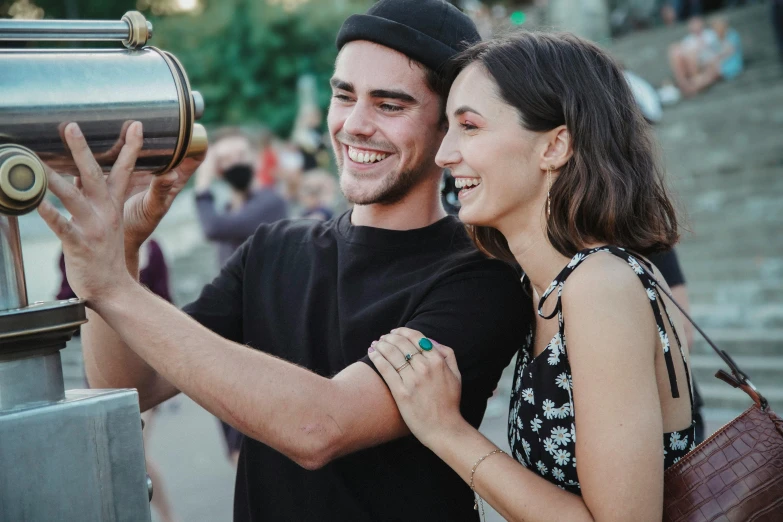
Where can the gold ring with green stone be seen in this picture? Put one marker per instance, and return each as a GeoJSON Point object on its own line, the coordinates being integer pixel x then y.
{"type": "Point", "coordinates": [425, 344]}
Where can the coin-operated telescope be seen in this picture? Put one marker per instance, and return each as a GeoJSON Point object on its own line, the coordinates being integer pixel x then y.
{"type": "Point", "coordinates": [74, 455]}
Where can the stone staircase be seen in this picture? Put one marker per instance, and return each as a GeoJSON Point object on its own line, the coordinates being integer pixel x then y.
{"type": "Point", "coordinates": [724, 153]}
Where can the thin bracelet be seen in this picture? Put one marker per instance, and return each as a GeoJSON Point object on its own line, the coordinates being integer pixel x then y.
{"type": "Point", "coordinates": [477, 498]}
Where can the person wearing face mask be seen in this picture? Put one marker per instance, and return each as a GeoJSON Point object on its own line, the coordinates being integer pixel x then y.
{"type": "Point", "coordinates": [232, 158]}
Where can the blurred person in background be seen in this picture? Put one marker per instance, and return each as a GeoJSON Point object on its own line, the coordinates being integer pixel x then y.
{"type": "Point", "coordinates": [316, 195]}
{"type": "Point", "coordinates": [308, 138]}
{"type": "Point", "coordinates": [277, 344]}
{"type": "Point", "coordinates": [266, 169]}
{"type": "Point", "coordinates": [705, 56]}
{"type": "Point", "coordinates": [693, 54]}
{"type": "Point", "coordinates": [233, 159]}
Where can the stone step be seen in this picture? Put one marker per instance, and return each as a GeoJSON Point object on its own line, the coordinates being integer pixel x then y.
{"type": "Point", "coordinates": [738, 315]}
{"type": "Point", "coordinates": [766, 372]}
{"type": "Point", "coordinates": [752, 249]}
{"type": "Point", "coordinates": [739, 341]}
{"type": "Point", "coordinates": [730, 292]}
{"type": "Point", "coordinates": [722, 396]}
{"type": "Point", "coordinates": [727, 268]}
{"type": "Point", "coordinates": [733, 180]}
{"type": "Point", "coordinates": [748, 245]}
{"type": "Point", "coordinates": [758, 79]}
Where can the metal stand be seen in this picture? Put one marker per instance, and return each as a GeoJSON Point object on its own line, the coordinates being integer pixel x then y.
{"type": "Point", "coordinates": [66, 456]}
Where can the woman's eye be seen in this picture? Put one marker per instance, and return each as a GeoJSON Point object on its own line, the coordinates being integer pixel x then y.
{"type": "Point", "coordinates": [341, 97]}
{"type": "Point", "coordinates": [468, 126]}
{"type": "Point", "coordinates": [390, 108]}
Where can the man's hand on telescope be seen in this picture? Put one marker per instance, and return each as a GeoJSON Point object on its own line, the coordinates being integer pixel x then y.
{"type": "Point", "coordinates": [93, 239]}
{"type": "Point", "coordinates": [148, 198]}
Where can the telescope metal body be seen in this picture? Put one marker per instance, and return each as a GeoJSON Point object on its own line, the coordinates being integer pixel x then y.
{"type": "Point", "coordinates": [76, 455]}
{"type": "Point", "coordinates": [42, 90]}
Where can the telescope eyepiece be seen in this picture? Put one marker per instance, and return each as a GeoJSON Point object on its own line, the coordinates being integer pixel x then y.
{"type": "Point", "coordinates": [23, 180]}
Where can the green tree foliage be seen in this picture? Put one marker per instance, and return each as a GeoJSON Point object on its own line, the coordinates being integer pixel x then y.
{"type": "Point", "coordinates": [245, 57]}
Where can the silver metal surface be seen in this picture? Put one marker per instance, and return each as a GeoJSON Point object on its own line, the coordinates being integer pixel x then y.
{"type": "Point", "coordinates": [103, 90]}
{"type": "Point", "coordinates": [150, 487]}
{"type": "Point", "coordinates": [198, 104]}
{"type": "Point", "coordinates": [31, 381]}
{"type": "Point", "coordinates": [85, 30]}
{"type": "Point", "coordinates": [77, 460]}
{"type": "Point", "coordinates": [13, 290]}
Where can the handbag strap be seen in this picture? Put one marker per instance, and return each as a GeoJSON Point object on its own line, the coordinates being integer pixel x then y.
{"type": "Point", "coordinates": [738, 378]}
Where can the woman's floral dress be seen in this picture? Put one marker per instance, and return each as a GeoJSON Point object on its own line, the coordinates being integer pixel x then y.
{"type": "Point", "coordinates": [542, 432]}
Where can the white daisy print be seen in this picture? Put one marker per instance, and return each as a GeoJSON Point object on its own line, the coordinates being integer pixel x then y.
{"type": "Point", "coordinates": [558, 474]}
{"type": "Point", "coordinates": [549, 409]}
{"type": "Point", "coordinates": [556, 344]}
{"type": "Point", "coordinates": [575, 260]}
{"type": "Point", "coordinates": [535, 424]}
{"type": "Point", "coordinates": [676, 460]}
{"type": "Point", "coordinates": [554, 356]}
{"type": "Point", "coordinates": [550, 446]}
{"type": "Point", "coordinates": [676, 442]}
{"type": "Point", "coordinates": [573, 434]}
{"type": "Point", "coordinates": [664, 339]}
{"type": "Point", "coordinates": [574, 461]}
{"type": "Point", "coordinates": [526, 447]}
{"type": "Point", "coordinates": [564, 411]}
{"type": "Point", "coordinates": [520, 424]}
{"type": "Point", "coordinates": [552, 286]}
{"type": "Point", "coordinates": [651, 294]}
{"type": "Point", "coordinates": [527, 395]}
{"type": "Point", "coordinates": [561, 381]}
{"type": "Point", "coordinates": [562, 457]}
{"type": "Point", "coordinates": [635, 266]}
{"type": "Point", "coordinates": [541, 467]}
{"type": "Point", "coordinates": [693, 446]}
{"type": "Point", "coordinates": [561, 436]}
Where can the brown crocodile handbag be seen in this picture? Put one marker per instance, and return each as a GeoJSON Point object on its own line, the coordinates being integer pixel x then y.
{"type": "Point", "coordinates": [736, 475]}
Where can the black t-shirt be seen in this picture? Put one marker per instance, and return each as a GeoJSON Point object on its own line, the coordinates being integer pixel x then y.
{"type": "Point", "coordinates": [669, 266]}
{"type": "Point", "coordinates": [317, 294]}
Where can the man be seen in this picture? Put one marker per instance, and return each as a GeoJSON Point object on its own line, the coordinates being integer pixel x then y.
{"type": "Point", "coordinates": [289, 319]}
{"type": "Point", "coordinates": [232, 158]}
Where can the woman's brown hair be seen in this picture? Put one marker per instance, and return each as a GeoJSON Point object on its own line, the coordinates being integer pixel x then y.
{"type": "Point", "coordinates": [612, 190]}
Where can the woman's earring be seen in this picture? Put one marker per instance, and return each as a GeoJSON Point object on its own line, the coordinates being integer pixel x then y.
{"type": "Point", "coordinates": [548, 189]}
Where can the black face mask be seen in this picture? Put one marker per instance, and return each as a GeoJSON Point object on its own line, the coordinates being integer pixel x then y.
{"type": "Point", "coordinates": [239, 177]}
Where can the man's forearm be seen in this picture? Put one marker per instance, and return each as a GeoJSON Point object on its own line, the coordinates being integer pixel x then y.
{"type": "Point", "coordinates": [110, 363]}
{"type": "Point", "coordinates": [285, 406]}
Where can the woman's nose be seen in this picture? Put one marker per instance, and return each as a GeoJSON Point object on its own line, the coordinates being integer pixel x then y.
{"type": "Point", "coordinates": [448, 153]}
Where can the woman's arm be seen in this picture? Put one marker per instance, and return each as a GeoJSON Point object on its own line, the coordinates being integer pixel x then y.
{"type": "Point", "coordinates": [611, 341]}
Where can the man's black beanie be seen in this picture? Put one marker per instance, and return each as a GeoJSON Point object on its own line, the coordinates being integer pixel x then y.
{"type": "Point", "coordinates": [429, 31]}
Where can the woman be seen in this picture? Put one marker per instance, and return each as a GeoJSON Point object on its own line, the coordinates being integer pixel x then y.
{"type": "Point", "coordinates": [556, 162]}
